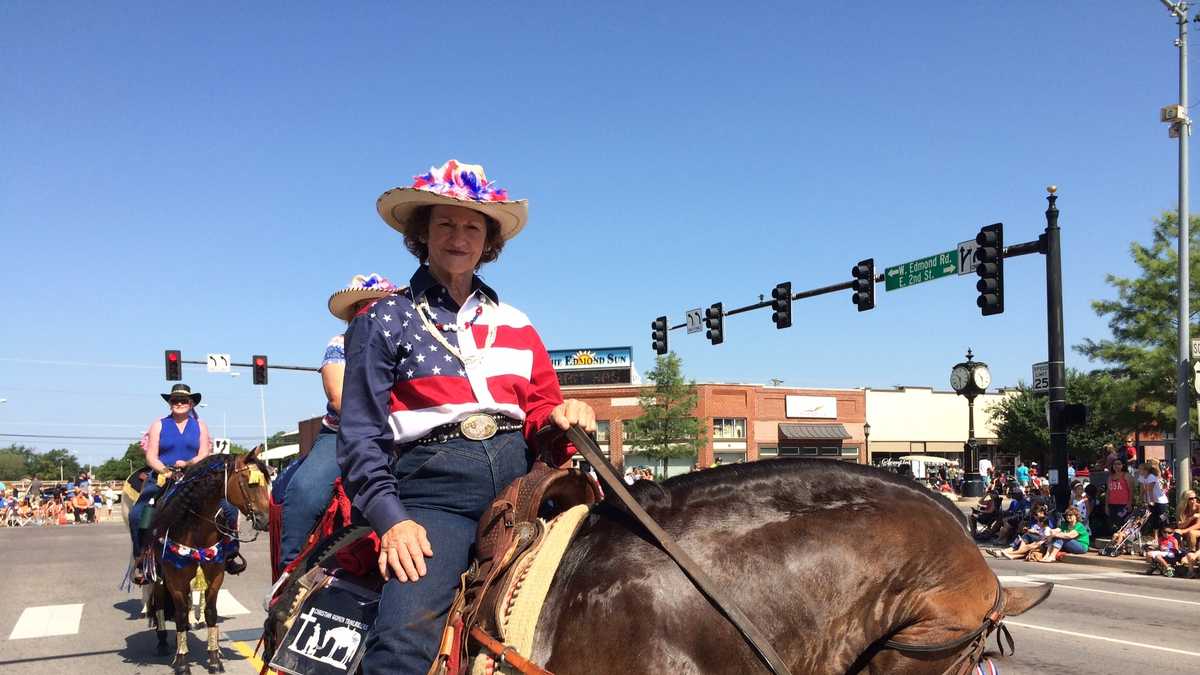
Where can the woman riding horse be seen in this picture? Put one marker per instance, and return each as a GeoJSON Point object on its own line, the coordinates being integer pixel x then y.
{"type": "Point", "coordinates": [176, 442]}
{"type": "Point", "coordinates": [445, 387]}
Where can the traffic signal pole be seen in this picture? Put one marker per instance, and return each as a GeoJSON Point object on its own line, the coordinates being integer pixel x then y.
{"type": "Point", "coordinates": [272, 366]}
{"type": "Point", "coordinates": [1055, 352]}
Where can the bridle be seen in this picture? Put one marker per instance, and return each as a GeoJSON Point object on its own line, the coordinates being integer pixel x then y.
{"type": "Point", "coordinates": [977, 639]}
{"type": "Point", "coordinates": [243, 476]}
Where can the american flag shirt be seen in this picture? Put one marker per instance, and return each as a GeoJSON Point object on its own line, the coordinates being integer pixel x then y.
{"type": "Point", "coordinates": [401, 382]}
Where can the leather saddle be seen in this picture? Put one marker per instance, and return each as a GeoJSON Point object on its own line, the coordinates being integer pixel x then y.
{"type": "Point", "coordinates": [509, 529]}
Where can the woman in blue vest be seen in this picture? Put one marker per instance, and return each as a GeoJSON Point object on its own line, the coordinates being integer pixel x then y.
{"type": "Point", "coordinates": [175, 442]}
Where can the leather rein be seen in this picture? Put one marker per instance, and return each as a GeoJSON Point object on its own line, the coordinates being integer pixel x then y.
{"type": "Point", "coordinates": [994, 620]}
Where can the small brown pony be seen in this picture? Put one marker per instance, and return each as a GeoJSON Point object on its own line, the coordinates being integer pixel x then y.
{"type": "Point", "coordinates": [189, 532]}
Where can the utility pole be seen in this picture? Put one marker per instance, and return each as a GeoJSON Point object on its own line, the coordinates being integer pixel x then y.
{"type": "Point", "coordinates": [1181, 127]}
{"type": "Point", "coordinates": [1055, 351]}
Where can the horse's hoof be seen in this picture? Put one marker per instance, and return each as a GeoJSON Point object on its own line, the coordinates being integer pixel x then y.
{"type": "Point", "coordinates": [161, 649]}
{"type": "Point", "coordinates": [214, 662]}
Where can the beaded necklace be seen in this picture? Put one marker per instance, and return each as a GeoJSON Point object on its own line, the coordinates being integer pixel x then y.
{"type": "Point", "coordinates": [435, 329]}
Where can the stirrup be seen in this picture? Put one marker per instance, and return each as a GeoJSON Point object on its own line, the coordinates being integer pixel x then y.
{"type": "Point", "coordinates": [235, 564]}
{"type": "Point", "coordinates": [138, 576]}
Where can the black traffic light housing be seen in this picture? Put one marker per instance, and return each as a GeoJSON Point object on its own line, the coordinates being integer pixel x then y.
{"type": "Point", "coordinates": [864, 284]}
{"type": "Point", "coordinates": [989, 259]}
{"type": "Point", "coordinates": [714, 320]}
{"type": "Point", "coordinates": [658, 335]}
{"type": "Point", "coordinates": [1075, 415]}
{"type": "Point", "coordinates": [174, 365]}
{"type": "Point", "coordinates": [781, 302]}
{"type": "Point", "coordinates": [259, 363]}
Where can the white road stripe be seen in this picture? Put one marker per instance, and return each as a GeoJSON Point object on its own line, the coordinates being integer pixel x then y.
{"type": "Point", "coordinates": [1127, 643]}
{"type": "Point", "coordinates": [36, 622]}
{"type": "Point", "coordinates": [227, 605]}
{"type": "Point", "coordinates": [1128, 595]}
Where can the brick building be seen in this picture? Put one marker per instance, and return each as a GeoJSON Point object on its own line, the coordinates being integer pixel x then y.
{"type": "Point", "coordinates": [743, 422]}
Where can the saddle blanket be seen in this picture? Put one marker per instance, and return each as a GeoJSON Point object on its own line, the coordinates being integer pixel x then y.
{"type": "Point", "coordinates": [522, 599]}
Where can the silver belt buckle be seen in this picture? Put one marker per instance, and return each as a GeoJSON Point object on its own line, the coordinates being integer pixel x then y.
{"type": "Point", "coordinates": [478, 427]}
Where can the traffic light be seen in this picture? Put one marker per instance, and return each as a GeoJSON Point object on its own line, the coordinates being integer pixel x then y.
{"type": "Point", "coordinates": [259, 363]}
{"type": "Point", "coordinates": [658, 335]}
{"type": "Point", "coordinates": [864, 284]}
{"type": "Point", "coordinates": [174, 365]}
{"type": "Point", "coordinates": [781, 302]}
{"type": "Point", "coordinates": [989, 266]}
{"type": "Point", "coordinates": [714, 320]}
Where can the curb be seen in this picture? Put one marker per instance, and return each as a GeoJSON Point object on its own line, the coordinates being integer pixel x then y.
{"type": "Point", "coordinates": [1123, 563]}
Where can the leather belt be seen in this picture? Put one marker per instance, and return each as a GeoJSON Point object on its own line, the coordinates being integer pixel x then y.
{"type": "Point", "coordinates": [476, 427]}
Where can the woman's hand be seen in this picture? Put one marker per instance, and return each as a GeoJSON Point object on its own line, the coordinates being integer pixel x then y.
{"type": "Point", "coordinates": [572, 411]}
{"type": "Point", "coordinates": [402, 551]}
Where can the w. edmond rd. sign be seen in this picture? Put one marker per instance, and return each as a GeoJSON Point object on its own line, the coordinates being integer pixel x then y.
{"type": "Point", "coordinates": [579, 359]}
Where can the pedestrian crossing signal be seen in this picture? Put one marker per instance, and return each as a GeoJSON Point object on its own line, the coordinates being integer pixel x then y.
{"type": "Point", "coordinates": [658, 335]}
{"type": "Point", "coordinates": [259, 363]}
{"type": "Point", "coordinates": [714, 319]}
{"type": "Point", "coordinates": [174, 365]}
{"type": "Point", "coordinates": [781, 302]}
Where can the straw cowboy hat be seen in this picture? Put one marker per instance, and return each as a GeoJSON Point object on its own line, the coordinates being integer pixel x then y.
{"type": "Point", "coordinates": [179, 391]}
{"type": "Point", "coordinates": [369, 287]}
{"type": "Point", "coordinates": [454, 184]}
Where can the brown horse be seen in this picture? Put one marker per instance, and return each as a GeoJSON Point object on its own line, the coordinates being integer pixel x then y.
{"type": "Point", "coordinates": [845, 568]}
{"type": "Point", "coordinates": [189, 530]}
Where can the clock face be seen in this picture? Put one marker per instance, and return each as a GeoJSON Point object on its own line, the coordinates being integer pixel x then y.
{"type": "Point", "coordinates": [958, 378]}
{"type": "Point", "coordinates": [982, 378]}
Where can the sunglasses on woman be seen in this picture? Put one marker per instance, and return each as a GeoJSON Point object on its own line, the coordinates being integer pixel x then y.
{"type": "Point", "coordinates": [181, 401]}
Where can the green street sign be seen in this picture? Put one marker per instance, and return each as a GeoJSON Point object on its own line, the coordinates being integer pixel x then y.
{"type": "Point", "coordinates": [921, 270]}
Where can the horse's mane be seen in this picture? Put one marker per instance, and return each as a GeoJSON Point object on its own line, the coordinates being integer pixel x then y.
{"type": "Point", "coordinates": [830, 474]}
{"type": "Point", "coordinates": [197, 485]}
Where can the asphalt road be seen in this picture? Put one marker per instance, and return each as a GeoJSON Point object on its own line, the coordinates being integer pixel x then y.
{"type": "Point", "coordinates": [75, 571]}
{"type": "Point", "coordinates": [1096, 621]}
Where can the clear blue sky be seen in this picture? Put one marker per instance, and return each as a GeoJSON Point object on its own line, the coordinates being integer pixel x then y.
{"type": "Point", "coordinates": [204, 178]}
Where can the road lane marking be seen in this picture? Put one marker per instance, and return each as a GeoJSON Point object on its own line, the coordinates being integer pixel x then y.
{"type": "Point", "coordinates": [36, 622]}
{"type": "Point", "coordinates": [227, 605]}
{"type": "Point", "coordinates": [1015, 580]}
{"type": "Point", "coordinates": [248, 652]}
{"type": "Point", "coordinates": [1010, 622]}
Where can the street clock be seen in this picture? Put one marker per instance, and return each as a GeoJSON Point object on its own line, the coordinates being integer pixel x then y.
{"type": "Point", "coordinates": [970, 378]}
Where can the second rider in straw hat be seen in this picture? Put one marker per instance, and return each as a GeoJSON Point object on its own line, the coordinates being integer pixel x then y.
{"type": "Point", "coordinates": [445, 386]}
{"type": "Point", "coordinates": [306, 486]}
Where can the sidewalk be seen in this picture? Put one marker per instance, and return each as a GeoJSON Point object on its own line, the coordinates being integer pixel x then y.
{"type": "Point", "coordinates": [1092, 557]}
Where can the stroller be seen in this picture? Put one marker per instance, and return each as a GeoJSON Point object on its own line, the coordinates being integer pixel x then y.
{"type": "Point", "coordinates": [1128, 538]}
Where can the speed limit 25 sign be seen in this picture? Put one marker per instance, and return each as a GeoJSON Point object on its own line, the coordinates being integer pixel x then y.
{"type": "Point", "coordinates": [1041, 377]}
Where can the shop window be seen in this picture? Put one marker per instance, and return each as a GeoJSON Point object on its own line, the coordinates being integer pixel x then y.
{"type": "Point", "coordinates": [729, 428]}
{"type": "Point", "coordinates": [602, 427]}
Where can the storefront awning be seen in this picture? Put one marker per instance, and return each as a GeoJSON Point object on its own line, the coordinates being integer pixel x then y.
{"type": "Point", "coordinates": [811, 432]}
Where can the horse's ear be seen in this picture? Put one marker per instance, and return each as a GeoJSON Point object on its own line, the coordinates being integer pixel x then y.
{"type": "Point", "coordinates": [1020, 600]}
{"type": "Point", "coordinates": [252, 456]}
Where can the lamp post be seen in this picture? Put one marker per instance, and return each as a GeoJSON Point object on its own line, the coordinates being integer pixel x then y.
{"type": "Point", "coordinates": [970, 379]}
{"type": "Point", "coordinates": [867, 441]}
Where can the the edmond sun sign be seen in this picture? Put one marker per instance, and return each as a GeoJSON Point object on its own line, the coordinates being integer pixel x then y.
{"type": "Point", "coordinates": [593, 365]}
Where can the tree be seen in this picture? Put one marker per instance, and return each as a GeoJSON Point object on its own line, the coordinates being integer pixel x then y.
{"type": "Point", "coordinates": [119, 468]}
{"type": "Point", "coordinates": [667, 427]}
{"type": "Point", "coordinates": [1144, 322]}
{"type": "Point", "coordinates": [16, 462]}
{"type": "Point", "coordinates": [1020, 419]}
{"type": "Point", "coordinates": [56, 463]}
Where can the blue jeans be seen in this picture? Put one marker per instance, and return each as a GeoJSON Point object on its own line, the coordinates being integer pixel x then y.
{"type": "Point", "coordinates": [307, 494]}
{"type": "Point", "coordinates": [1069, 546]}
{"type": "Point", "coordinates": [445, 488]}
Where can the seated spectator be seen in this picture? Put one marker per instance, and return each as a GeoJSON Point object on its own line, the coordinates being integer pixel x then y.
{"type": "Point", "coordinates": [56, 511]}
{"type": "Point", "coordinates": [1043, 497]}
{"type": "Point", "coordinates": [988, 511]}
{"type": "Point", "coordinates": [1081, 502]}
{"type": "Point", "coordinates": [1072, 536]}
{"type": "Point", "coordinates": [82, 507]}
{"type": "Point", "coordinates": [1014, 517]}
{"type": "Point", "coordinates": [1189, 520]}
{"type": "Point", "coordinates": [1163, 560]}
{"type": "Point", "coordinates": [1190, 560]}
{"type": "Point", "coordinates": [1030, 539]}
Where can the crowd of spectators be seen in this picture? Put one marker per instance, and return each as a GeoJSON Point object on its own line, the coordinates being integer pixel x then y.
{"type": "Point", "coordinates": [35, 504]}
{"type": "Point", "coordinates": [1109, 501]}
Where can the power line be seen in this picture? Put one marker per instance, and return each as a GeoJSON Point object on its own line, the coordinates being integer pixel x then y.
{"type": "Point", "coordinates": [47, 362]}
